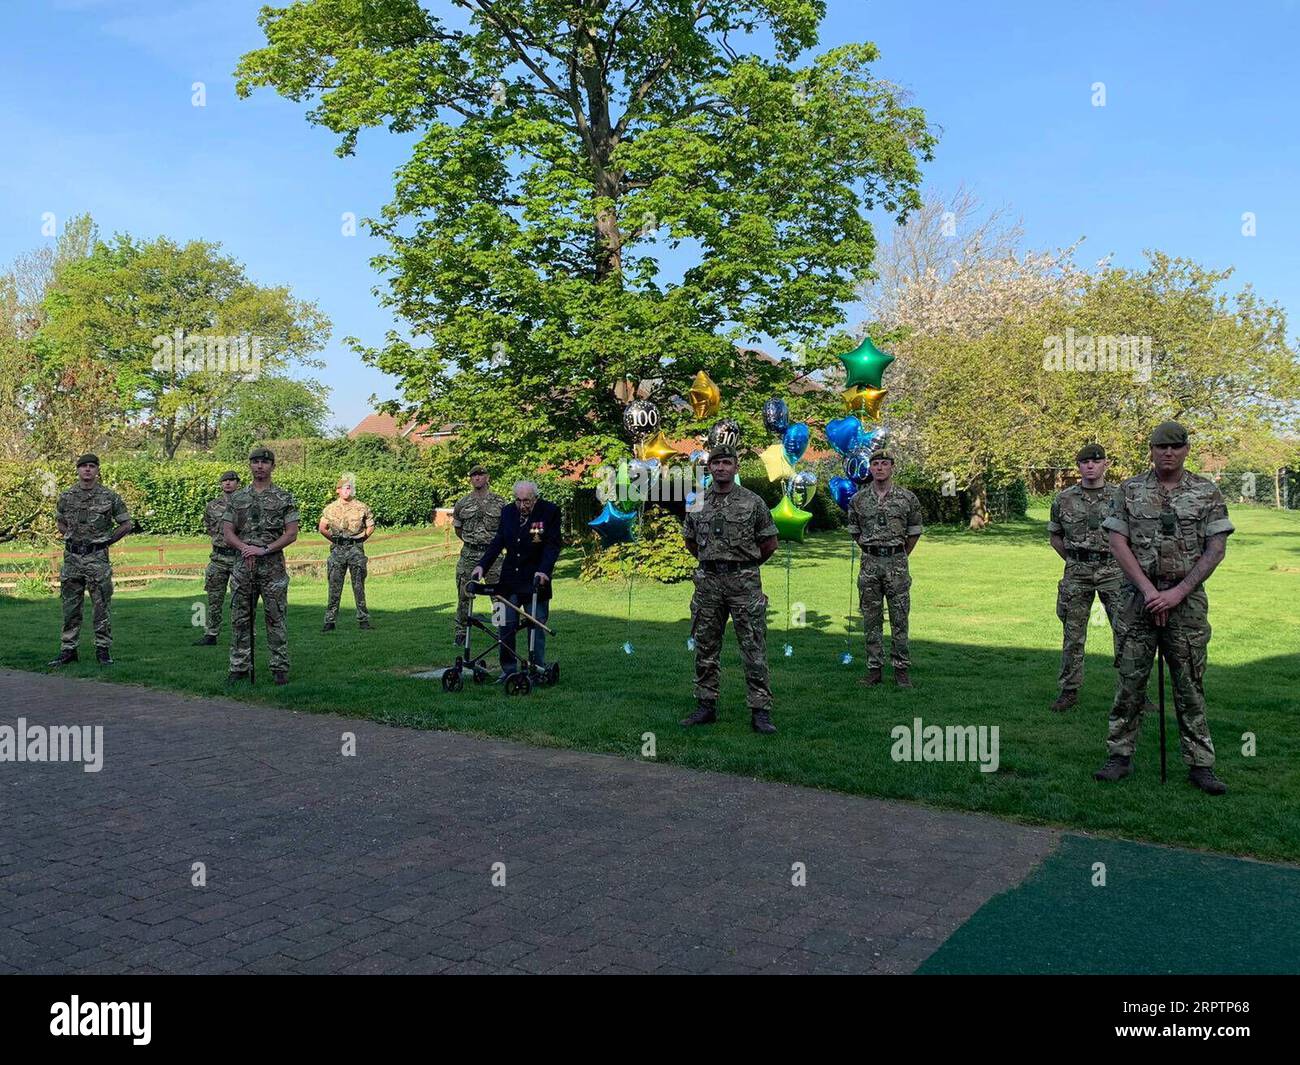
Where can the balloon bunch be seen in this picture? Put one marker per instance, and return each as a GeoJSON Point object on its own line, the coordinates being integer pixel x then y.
{"type": "Point", "coordinates": [864, 393]}
{"type": "Point", "coordinates": [779, 459]}
{"type": "Point", "coordinates": [864, 368]}
{"type": "Point", "coordinates": [706, 400]}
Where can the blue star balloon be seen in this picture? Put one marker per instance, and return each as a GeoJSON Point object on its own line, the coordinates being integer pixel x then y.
{"type": "Point", "coordinates": [613, 525]}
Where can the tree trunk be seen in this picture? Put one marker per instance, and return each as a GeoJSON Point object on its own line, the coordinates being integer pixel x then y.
{"type": "Point", "coordinates": [979, 504]}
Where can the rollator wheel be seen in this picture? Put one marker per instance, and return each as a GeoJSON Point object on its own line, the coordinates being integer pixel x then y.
{"type": "Point", "coordinates": [451, 681]}
{"type": "Point", "coordinates": [481, 676]}
{"type": "Point", "coordinates": [518, 684]}
{"type": "Point", "coordinates": [553, 674]}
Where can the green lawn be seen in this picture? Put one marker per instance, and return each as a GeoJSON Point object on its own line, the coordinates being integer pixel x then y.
{"type": "Point", "coordinates": [985, 646]}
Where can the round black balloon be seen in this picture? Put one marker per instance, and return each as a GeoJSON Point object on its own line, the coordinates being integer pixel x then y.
{"type": "Point", "coordinates": [726, 431]}
{"type": "Point", "coordinates": [776, 415]}
{"type": "Point", "coordinates": [641, 418]}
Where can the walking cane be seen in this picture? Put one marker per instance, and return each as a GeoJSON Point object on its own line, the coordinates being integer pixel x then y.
{"type": "Point", "coordinates": [252, 622]}
{"type": "Point", "coordinates": [1160, 666]}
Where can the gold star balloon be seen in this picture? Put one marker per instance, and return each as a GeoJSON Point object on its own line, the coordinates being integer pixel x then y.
{"type": "Point", "coordinates": [656, 447]}
{"type": "Point", "coordinates": [865, 398]}
{"type": "Point", "coordinates": [704, 396]}
{"type": "Point", "coordinates": [865, 364]}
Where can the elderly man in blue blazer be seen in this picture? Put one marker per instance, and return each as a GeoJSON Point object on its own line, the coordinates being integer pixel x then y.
{"type": "Point", "coordinates": [529, 534]}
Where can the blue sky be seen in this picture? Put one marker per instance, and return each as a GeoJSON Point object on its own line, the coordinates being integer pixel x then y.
{"type": "Point", "coordinates": [1201, 124]}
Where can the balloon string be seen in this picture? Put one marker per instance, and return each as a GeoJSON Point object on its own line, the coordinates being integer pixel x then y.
{"type": "Point", "coordinates": [787, 592]}
{"type": "Point", "coordinates": [848, 617]}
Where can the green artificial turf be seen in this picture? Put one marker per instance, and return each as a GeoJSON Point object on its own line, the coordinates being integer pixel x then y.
{"type": "Point", "coordinates": [1159, 911]}
{"type": "Point", "coordinates": [985, 649]}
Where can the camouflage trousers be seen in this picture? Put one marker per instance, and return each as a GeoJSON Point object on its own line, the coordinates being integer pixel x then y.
{"type": "Point", "coordinates": [344, 558]}
{"type": "Point", "coordinates": [215, 580]}
{"type": "Point", "coordinates": [739, 595]}
{"type": "Point", "coordinates": [1184, 639]}
{"type": "Point", "coordinates": [268, 578]}
{"type": "Point", "coordinates": [1074, 598]}
{"type": "Point", "coordinates": [82, 574]}
{"type": "Point", "coordinates": [469, 556]}
{"type": "Point", "coordinates": [880, 580]}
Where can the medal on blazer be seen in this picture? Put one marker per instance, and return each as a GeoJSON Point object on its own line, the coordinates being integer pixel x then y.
{"type": "Point", "coordinates": [537, 532]}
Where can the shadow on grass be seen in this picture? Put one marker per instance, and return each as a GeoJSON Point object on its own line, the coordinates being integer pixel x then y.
{"type": "Point", "coordinates": [834, 734]}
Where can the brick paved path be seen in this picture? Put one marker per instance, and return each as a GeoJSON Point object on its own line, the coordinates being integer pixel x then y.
{"type": "Point", "coordinates": [382, 862]}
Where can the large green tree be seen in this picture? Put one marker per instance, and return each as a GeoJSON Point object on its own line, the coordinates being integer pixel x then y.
{"type": "Point", "coordinates": [177, 326]}
{"type": "Point", "coordinates": [272, 408]}
{"type": "Point", "coordinates": [601, 189]}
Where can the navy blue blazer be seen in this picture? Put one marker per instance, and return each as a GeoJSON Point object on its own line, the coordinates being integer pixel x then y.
{"type": "Point", "coordinates": [530, 548]}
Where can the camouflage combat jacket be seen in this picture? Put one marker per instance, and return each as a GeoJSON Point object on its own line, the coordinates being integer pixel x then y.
{"type": "Point", "coordinates": [729, 526]}
{"type": "Point", "coordinates": [90, 516]}
{"type": "Point", "coordinates": [887, 522]}
{"type": "Point", "coordinates": [1167, 530]}
{"type": "Point", "coordinates": [478, 518]}
{"type": "Point", "coordinates": [213, 514]}
{"type": "Point", "coordinates": [259, 518]}
{"type": "Point", "coordinates": [1078, 514]}
{"type": "Point", "coordinates": [347, 519]}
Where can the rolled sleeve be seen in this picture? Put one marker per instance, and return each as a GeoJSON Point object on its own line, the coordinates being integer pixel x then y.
{"type": "Point", "coordinates": [1221, 527]}
{"type": "Point", "coordinates": [764, 526]}
{"type": "Point", "coordinates": [1116, 524]}
{"type": "Point", "coordinates": [291, 514]}
{"type": "Point", "coordinates": [1054, 519]}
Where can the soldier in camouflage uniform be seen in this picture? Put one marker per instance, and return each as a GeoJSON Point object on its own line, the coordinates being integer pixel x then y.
{"type": "Point", "coordinates": [731, 534]}
{"type": "Point", "coordinates": [261, 520]}
{"type": "Point", "coordinates": [1090, 568]}
{"type": "Point", "coordinates": [476, 518]}
{"type": "Point", "coordinates": [885, 520]}
{"type": "Point", "coordinates": [222, 560]}
{"type": "Point", "coordinates": [347, 524]}
{"type": "Point", "coordinates": [90, 518]}
{"type": "Point", "coordinates": [1168, 531]}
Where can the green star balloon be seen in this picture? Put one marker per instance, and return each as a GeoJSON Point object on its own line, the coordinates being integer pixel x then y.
{"type": "Point", "coordinates": [790, 520]}
{"type": "Point", "coordinates": [865, 365]}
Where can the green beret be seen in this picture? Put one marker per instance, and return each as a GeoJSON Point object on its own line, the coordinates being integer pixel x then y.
{"type": "Point", "coordinates": [723, 451]}
{"type": "Point", "coordinates": [261, 453]}
{"type": "Point", "coordinates": [1090, 451]}
{"type": "Point", "coordinates": [881, 453]}
{"type": "Point", "coordinates": [1168, 433]}
{"type": "Point", "coordinates": [478, 467]}
{"type": "Point", "coordinates": [93, 460]}
{"type": "Point", "coordinates": [229, 475]}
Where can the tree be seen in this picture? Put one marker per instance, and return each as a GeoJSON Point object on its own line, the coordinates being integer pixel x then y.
{"type": "Point", "coordinates": [564, 147]}
{"type": "Point", "coordinates": [174, 326]}
{"type": "Point", "coordinates": [272, 408]}
{"type": "Point", "coordinates": [46, 416]}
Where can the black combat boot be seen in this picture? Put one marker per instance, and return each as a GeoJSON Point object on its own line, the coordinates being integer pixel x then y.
{"type": "Point", "coordinates": [902, 679]}
{"type": "Point", "coordinates": [235, 678]}
{"type": "Point", "coordinates": [872, 678]}
{"type": "Point", "coordinates": [1202, 776]}
{"type": "Point", "coordinates": [761, 721]}
{"type": "Point", "coordinates": [1067, 700]}
{"type": "Point", "coordinates": [103, 657]}
{"type": "Point", "coordinates": [281, 676]}
{"type": "Point", "coordinates": [327, 627]}
{"type": "Point", "coordinates": [706, 713]}
{"type": "Point", "coordinates": [205, 641]}
{"type": "Point", "coordinates": [63, 659]}
{"type": "Point", "coordinates": [365, 624]}
{"type": "Point", "coordinates": [1117, 767]}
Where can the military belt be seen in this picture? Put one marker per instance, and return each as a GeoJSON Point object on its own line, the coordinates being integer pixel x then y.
{"type": "Point", "coordinates": [225, 550]}
{"type": "Point", "coordinates": [81, 547]}
{"type": "Point", "coordinates": [883, 552]}
{"type": "Point", "coordinates": [1084, 554]}
{"type": "Point", "coordinates": [727, 567]}
{"type": "Point", "coordinates": [347, 540]}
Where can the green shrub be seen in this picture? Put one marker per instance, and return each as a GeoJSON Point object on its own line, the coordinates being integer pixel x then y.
{"type": "Point", "coordinates": [658, 553]}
